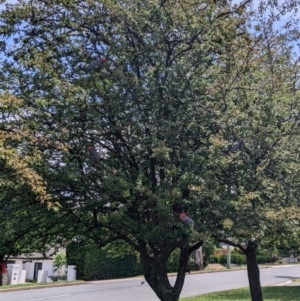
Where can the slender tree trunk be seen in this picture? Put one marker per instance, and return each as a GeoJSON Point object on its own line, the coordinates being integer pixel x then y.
{"type": "Point", "coordinates": [253, 272]}
{"type": "Point", "coordinates": [155, 273]}
{"type": "Point", "coordinates": [1, 276]}
{"type": "Point", "coordinates": [198, 259]}
{"type": "Point", "coordinates": [252, 267]}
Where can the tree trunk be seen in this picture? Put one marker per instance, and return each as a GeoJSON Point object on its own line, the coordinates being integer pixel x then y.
{"type": "Point", "coordinates": [155, 272]}
{"type": "Point", "coordinates": [1, 276]}
{"type": "Point", "coordinates": [252, 267]}
{"type": "Point", "coordinates": [198, 259]}
{"type": "Point", "coordinates": [253, 272]}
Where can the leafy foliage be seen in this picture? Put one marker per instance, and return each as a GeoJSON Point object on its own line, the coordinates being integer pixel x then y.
{"type": "Point", "coordinates": [182, 81]}
{"type": "Point", "coordinates": [26, 221]}
{"type": "Point", "coordinates": [59, 261]}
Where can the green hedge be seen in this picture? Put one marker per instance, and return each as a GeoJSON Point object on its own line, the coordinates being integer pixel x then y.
{"type": "Point", "coordinates": [98, 265]}
{"type": "Point", "coordinates": [264, 259]}
{"type": "Point", "coordinates": [95, 264]}
{"type": "Point", "coordinates": [238, 259]}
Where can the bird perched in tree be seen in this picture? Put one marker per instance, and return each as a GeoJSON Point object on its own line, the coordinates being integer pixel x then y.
{"type": "Point", "coordinates": [236, 145]}
{"type": "Point", "coordinates": [95, 64]}
{"type": "Point", "coordinates": [93, 154]}
{"type": "Point", "coordinates": [188, 221]}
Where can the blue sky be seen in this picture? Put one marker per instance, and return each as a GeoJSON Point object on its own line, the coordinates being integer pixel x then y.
{"type": "Point", "coordinates": [9, 2]}
{"type": "Point", "coordinates": [278, 24]}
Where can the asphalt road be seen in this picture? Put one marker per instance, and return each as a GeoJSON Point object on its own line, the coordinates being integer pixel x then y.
{"type": "Point", "coordinates": [131, 289]}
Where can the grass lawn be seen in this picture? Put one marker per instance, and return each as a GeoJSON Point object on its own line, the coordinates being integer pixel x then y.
{"type": "Point", "coordinates": [274, 293]}
{"type": "Point", "coordinates": [16, 286]}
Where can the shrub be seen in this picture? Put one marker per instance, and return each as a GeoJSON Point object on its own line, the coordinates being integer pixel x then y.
{"type": "Point", "coordinates": [172, 264]}
{"type": "Point", "coordinates": [239, 259]}
{"type": "Point", "coordinates": [237, 251]}
{"type": "Point", "coordinates": [59, 261]}
{"type": "Point", "coordinates": [213, 259]}
{"type": "Point", "coordinates": [56, 278]}
{"type": "Point", "coordinates": [264, 259]}
{"type": "Point", "coordinates": [208, 250]}
{"type": "Point", "coordinates": [234, 258]}
{"type": "Point", "coordinates": [218, 252]}
{"type": "Point", "coordinates": [173, 261]}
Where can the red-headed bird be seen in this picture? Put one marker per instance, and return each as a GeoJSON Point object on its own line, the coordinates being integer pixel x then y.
{"type": "Point", "coordinates": [95, 64]}
{"type": "Point", "coordinates": [93, 154]}
{"type": "Point", "coordinates": [188, 221]}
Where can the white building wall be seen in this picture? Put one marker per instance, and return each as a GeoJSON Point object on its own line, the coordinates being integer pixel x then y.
{"type": "Point", "coordinates": [46, 266]}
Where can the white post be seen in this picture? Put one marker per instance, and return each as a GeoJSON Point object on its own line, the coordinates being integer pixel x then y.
{"type": "Point", "coordinates": [71, 276]}
{"type": "Point", "coordinates": [42, 276]}
{"type": "Point", "coordinates": [228, 256]}
{"type": "Point", "coordinates": [13, 273]}
{"type": "Point", "coordinates": [22, 278]}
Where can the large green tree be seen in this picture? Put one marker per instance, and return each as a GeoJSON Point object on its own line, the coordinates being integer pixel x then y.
{"type": "Point", "coordinates": [149, 112]}
{"type": "Point", "coordinates": [160, 112]}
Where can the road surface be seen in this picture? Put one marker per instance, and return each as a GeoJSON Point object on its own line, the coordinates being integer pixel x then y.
{"type": "Point", "coordinates": [131, 289]}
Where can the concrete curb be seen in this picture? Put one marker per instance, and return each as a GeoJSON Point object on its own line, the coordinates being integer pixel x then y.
{"type": "Point", "coordinates": [103, 281]}
{"type": "Point", "coordinates": [285, 265]}
{"type": "Point", "coordinates": [4, 290]}
{"type": "Point", "coordinates": [284, 283]}
{"type": "Point", "coordinates": [170, 275]}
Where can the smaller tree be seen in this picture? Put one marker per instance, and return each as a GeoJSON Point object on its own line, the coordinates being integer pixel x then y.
{"type": "Point", "coordinates": [59, 263]}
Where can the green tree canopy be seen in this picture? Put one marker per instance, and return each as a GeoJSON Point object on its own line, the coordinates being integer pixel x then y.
{"type": "Point", "coordinates": [181, 82]}
{"type": "Point", "coordinates": [26, 217]}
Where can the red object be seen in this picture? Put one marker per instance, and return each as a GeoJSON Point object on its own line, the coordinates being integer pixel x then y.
{"type": "Point", "coordinates": [95, 64]}
{"type": "Point", "coordinates": [188, 221]}
{"type": "Point", "coordinates": [182, 215]}
{"type": "Point", "coordinates": [2, 268]}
